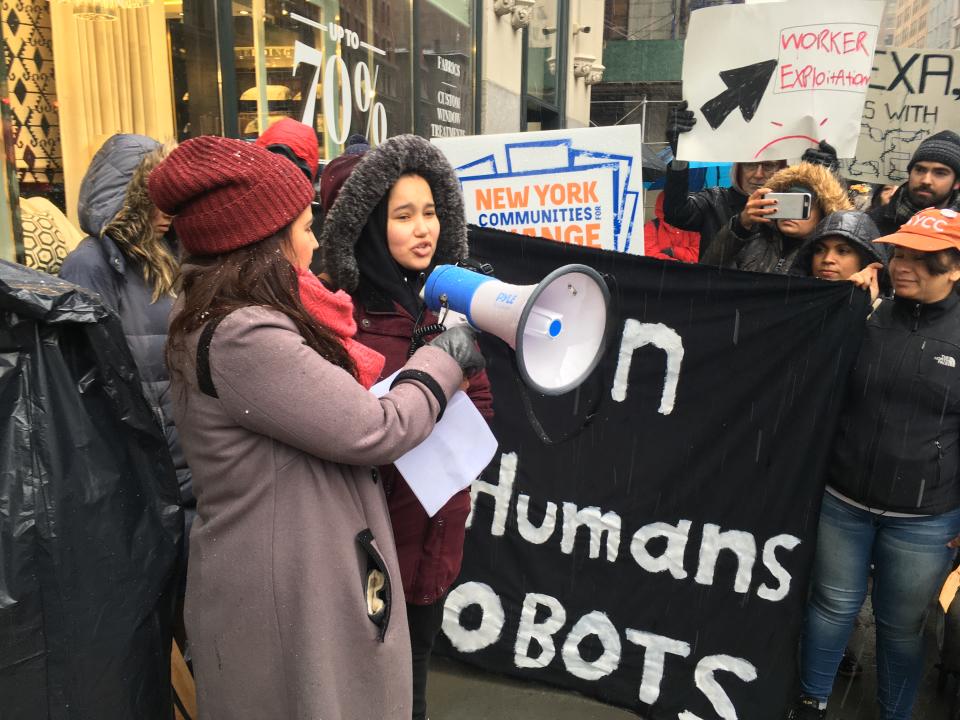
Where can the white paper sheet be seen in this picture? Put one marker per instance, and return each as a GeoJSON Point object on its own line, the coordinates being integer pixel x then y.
{"type": "Point", "coordinates": [808, 63]}
{"type": "Point", "coordinates": [453, 455]}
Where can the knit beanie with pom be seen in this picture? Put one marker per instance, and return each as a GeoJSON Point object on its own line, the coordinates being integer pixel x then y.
{"type": "Point", "coordinates": [225, 194]}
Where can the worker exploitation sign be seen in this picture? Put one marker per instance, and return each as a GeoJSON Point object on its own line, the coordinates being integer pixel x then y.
{"type": "Point", "coordinates": [581, 186]}
{"type": "Point", "coordinates": [768, 81]}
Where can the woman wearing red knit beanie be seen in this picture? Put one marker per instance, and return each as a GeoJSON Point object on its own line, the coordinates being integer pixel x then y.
{"type": "Point", "coordinates": [294, 606]}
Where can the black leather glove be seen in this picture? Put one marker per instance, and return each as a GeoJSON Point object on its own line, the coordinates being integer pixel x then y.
{"type": "Point", "coordinates": [824, 154]}
{"type": "Point", "coordinates": [679, 120]}
{"type": "Point", "coordinates": [460, 343]}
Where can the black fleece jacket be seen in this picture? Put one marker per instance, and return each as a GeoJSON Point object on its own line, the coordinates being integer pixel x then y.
{"type": "Point", "coordinates": [898, 443]}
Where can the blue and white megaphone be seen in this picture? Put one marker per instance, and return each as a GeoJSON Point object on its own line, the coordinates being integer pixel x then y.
{"type": "Point", "coordinates": [558, 327]}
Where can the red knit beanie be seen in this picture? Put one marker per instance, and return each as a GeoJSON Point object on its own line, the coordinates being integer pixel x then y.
{"type": "Point", "coordinates": [300, 138]}
{"type": "Point", "coordinates": [226, 193]}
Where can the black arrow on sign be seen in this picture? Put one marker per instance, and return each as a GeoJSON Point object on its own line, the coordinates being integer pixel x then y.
{"type": "Point", "coordinates": [745, 88]}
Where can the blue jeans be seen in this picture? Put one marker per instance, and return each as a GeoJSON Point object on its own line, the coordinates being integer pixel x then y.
{"type": "Point", "coordinates": [911, 560]}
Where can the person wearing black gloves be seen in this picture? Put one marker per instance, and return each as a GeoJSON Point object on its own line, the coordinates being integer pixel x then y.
{"type": "Point", "coordinates": [393, 215]}
{"type": "Point", "coordinates": [933, 180]}
{"type": "Point", "coordinates": [708, 210]}
{"type": "Point", "coordinates": [752, 241]}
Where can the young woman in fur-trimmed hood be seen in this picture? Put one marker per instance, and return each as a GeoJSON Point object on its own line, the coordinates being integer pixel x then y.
{"type": "Point", "coordinates": [751, 241]}
{"type": "Point", "coordinates": [392, 216]}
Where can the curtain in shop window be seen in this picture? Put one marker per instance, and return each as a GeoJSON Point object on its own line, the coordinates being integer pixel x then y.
{"type": "Point", "coordinates": [112, 76]}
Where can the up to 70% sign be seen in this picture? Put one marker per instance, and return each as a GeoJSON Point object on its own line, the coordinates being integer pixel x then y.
{"type": "Point", "coordinates": [337, 110]}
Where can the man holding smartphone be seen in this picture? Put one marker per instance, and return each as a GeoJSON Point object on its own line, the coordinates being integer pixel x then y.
{"type": "Point", "coordinates": [934, 177]}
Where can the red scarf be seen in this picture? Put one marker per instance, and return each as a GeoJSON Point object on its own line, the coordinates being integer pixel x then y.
{"type": "Point", "coordinates": [334, 310]}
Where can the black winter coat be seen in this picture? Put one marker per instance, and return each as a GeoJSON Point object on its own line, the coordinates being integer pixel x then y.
{"type": "Point", "coordinates": [898, 443]}
{"type": "Point", "coordinates": [763, 249]}
{"type": "Point", "coordinates": [705, 212]}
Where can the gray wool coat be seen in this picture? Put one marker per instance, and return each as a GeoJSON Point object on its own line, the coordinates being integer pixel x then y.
{"type": "Point", "coordinates": [291, 519]}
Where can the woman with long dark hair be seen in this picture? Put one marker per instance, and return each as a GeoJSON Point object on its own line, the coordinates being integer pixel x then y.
{"type": "Point", "coordinates": [294, 605]}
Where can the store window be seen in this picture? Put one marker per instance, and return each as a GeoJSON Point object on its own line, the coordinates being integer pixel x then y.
{"type": "Point", "coordinates": [445, 75]}
{"type": "Point", "coordinates": [342, 67]}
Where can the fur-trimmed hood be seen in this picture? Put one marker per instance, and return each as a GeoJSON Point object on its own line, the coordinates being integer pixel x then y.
{"type": "Point", "coordinates": [367, 185]}
{"type": "Point", "coordinates": [830, 195]}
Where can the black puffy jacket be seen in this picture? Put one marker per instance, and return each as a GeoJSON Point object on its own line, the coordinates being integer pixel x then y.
{"type": "Point", "coordinates": [763, 249]}
{"type": "Point", "coordinates": [97, 264]}
{"type": "Point", "coordinates": [897, 447]}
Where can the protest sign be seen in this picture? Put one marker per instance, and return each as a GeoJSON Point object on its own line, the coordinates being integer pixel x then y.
{"type": "Point", "coordinates": [659, 558]}
{"type": "Point", "coordinates": [767, 81]}
{"type": "Point", "coordinates": [913, 94]}
{"type": "Point", "coordinates": [581, 186]}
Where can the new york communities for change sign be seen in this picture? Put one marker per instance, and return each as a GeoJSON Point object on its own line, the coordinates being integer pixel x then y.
{"type": "Point", "coordinates": [767, 81]}
{"type": "Point", "coordinates": [581, 186]}
{"type": "Point", "coordinates": [913, 94]}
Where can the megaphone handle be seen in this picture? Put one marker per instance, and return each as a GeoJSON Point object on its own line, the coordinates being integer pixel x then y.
{"type": "Point", "coordinates": [535, 421]}
{"type": "Point", "coordinates": [416, 340]}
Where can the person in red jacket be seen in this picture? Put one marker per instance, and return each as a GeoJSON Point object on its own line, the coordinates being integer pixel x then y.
{"type": "Point", "coordinates": [392, 216]}
{"type": "Point", "coordinates": [664, 241]}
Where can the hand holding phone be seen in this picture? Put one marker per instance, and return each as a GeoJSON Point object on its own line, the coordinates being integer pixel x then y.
{"type": "Point", "coordinates": [757, 209]}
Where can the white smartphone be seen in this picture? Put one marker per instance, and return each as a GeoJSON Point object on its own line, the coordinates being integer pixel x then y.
{"type": "Point", "coordinates": [790, 205]}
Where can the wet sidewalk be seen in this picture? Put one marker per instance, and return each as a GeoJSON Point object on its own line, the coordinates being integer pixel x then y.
{"type": "Point", "coordinates": [460, 692]}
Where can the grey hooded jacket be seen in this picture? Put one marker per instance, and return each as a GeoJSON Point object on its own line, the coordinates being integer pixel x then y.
{"type": "Point", "coordinates": [97, 264]}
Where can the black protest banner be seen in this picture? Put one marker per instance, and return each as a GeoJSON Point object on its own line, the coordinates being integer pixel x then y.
{"type": "Point", "coordinates": [658, 558]}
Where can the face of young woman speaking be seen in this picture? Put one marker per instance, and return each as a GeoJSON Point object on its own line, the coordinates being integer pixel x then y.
{"type": "Point", "coordinates": [412, 223]}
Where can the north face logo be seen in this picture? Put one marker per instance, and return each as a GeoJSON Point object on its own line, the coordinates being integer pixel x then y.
{"type": "Point", "coordinates": [946, 360]}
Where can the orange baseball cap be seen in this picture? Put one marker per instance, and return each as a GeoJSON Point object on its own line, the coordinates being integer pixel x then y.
{"type": "Point", "coordinates": [929, 230]}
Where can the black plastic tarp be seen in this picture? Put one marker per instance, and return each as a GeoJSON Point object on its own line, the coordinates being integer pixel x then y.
{"type": "Point", "coordinates": [90, 520]}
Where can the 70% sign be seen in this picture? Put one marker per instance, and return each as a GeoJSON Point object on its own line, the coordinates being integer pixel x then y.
{"type": "Point", "coordinates": [337, 109]}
